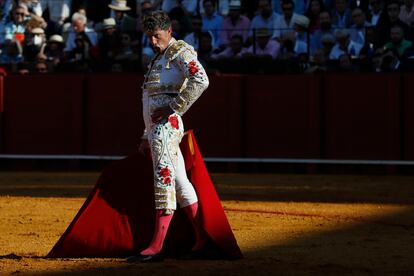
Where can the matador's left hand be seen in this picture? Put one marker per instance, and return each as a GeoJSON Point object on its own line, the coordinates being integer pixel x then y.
{"type": "Point", "coordinates": [161, 113]}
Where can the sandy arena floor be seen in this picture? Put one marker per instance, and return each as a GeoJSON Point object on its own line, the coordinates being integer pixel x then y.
{"type": "Point", "coordinates": [284, 224]}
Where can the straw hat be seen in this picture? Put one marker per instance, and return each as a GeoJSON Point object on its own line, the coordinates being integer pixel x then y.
{"type": "Point", "coordinates": [302, 21]}
{"type": "Point", "coordinates": [119, 5]}
{"type": "Point", "coordinates": [56, 38]}
{"type": "Point", "coordinates": [38, 31]}
{"type": "Point", "coordinates": [108, 23]}
{"type": "Point", "coordinates": [234, 5]}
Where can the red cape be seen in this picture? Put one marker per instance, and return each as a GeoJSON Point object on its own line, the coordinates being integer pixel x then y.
{"type": "Point", "coordinates": [117, 218]}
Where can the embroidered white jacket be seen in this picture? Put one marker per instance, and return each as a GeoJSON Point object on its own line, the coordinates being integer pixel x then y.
{"type": "Point", "coordinates": [178, 73]}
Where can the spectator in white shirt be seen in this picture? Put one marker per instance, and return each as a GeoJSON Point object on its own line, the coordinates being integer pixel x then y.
{"type": "Point", "coordinates": [375, 12]}
{"type": "Point", "coordinates": [79, 28]}
{"type": "Point", "coordinates": [212, 21]}
{"type": "Point", "coordinates": [194, 38]}
{"type": "Point", "coordinates": [286, 22]}
{"type": "Point", "coordinates": [358, 29]}
{"type": "Point", "coordinates": [407, 12]}
{"type": "Point", "coordinates": [265, 18]}
{"type": "Point", "coordinates": [302, 29]}
{"type": "Point", "coordinates": [264, 45]}
{"type": "Point", "coordinates": [59, 11]}
{"type": "Point", "coordinates": [344, 45]}
{"type": "Point", "coordinates": [290, 46]}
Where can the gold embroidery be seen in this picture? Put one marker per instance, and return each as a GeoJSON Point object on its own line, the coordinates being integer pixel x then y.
{"type": "Point", "coordinates": [158, 67]}
{"type": "Point", "coordinates": [165, 197]}
{"type": "Point", "coordinates": [174, 49]}
{"type": "Point", "coordinates": [153, 78]}
{"type": "Point", "coordinates": [152, 89]}
{"type": "Point", "coordinates": [188, 96]}
{"type": "Point", "coordinates": [160, 206]}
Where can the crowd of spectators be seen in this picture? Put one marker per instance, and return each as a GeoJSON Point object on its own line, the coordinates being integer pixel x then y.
{"type": "Point", "coordinates": [251, 36]}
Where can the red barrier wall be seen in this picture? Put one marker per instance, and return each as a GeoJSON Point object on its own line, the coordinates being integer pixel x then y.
{"type": "Point", "coordinates": [215, 118]}
{"type": "Point", "coordinates": [282, 116]}
{"type": "Point", "coordinates": [1, 113]}
{"type": "Point", "coordinates": [1, 94]}
{"type": "Point", "coordinates": [335, 116]}
{"type": "Point", "coordinates": [362, 117]}
{"type": "Point", "coordinates": [408, 119]}
{"type": "Point", "coordinates": [43, 114]}
{"type": "Point", "coordinates": [114, 114]}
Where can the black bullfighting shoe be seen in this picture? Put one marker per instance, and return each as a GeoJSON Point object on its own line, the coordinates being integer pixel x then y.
{"type": "Point", "coordinates": [145, 258]}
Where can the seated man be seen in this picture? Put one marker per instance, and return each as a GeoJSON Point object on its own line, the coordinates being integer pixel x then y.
{"type": "Point", "coordinates": [234, 23]}
{"type": "Point", "coordinates": [291, 47]}
{"type": "Point", "coordinates": [326, 28]}
{"type": "Point", "coordinates": [265, 18]}
{"type": "Point", "coordinates": [358, 29]}
{"type": "Point", "coordinates": [79, 28]}
{"type": "Point", "coordinates": [344, 45]}
{"type": "Point", "coordinates": [398, 42]}
{"type": "Point", "coordinates": [287, 21]}
{"type": "Point", "coordinates": [234, 50]}
{"type": "Point", "coordinates": [264, 45]}
{"type": "Point", "coordinates": [194, 38]}
{"type": "Point", "coordinates": [15, 29]}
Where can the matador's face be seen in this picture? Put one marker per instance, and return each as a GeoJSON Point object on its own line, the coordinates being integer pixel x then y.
{"type": "Point", "coordinates": [159, 39]}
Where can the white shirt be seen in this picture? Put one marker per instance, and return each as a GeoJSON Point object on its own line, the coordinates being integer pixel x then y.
{"type": "Point", "coordinates": [259, 22]}
{"type": "Point", "coordinates": [193, 41]}
{"type": "Point", "coordinates": [353, 50]}
{"type": "Point", "coordinates": [300, 47]}
{"type": "Point", "coordinates": [374, 19]}
{"type": "Point", "coordinates": [57, 8]}
{"type": "Point", "coordinates": [281, 25]}
{"type": "Point", "coordinates": [70, 41]}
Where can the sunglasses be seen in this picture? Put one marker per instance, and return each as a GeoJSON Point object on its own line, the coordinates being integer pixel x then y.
{"type": "Point", "coordinates": [19, 13]}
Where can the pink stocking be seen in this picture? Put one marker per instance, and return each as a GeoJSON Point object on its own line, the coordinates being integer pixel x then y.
{"type": "Point", "coordinates": [194, 216]}
{"type": "Point", "coordinates": [161, 227]}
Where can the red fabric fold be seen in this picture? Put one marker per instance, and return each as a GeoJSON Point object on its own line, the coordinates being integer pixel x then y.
{"type": "Point", "coordinates": [117, 218]}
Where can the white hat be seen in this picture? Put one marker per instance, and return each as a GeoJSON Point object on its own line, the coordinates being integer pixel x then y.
{"type": "Point", "coordinates": [108, 23]}
{"type": "Point", "coordinates": [38, 31]}
{"type": "Point", "coordinates": [56, 38]}
{"type": "Point", "coordinates": [119, 5]}
{"type": "Point", "coordinates": [234, 5]}
{"type": "Point", "coordinates": [302, 21]}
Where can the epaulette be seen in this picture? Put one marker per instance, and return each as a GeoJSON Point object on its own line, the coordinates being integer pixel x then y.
{"type": "Point", "coordinates": [175, 49]}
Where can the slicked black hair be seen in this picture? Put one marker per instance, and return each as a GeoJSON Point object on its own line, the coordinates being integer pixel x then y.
{"type": "Point", "coordinates": [156, 20]}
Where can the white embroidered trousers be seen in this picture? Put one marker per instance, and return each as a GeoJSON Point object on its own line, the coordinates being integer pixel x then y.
{"type": "Point", "coordinates": [171, 183]}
